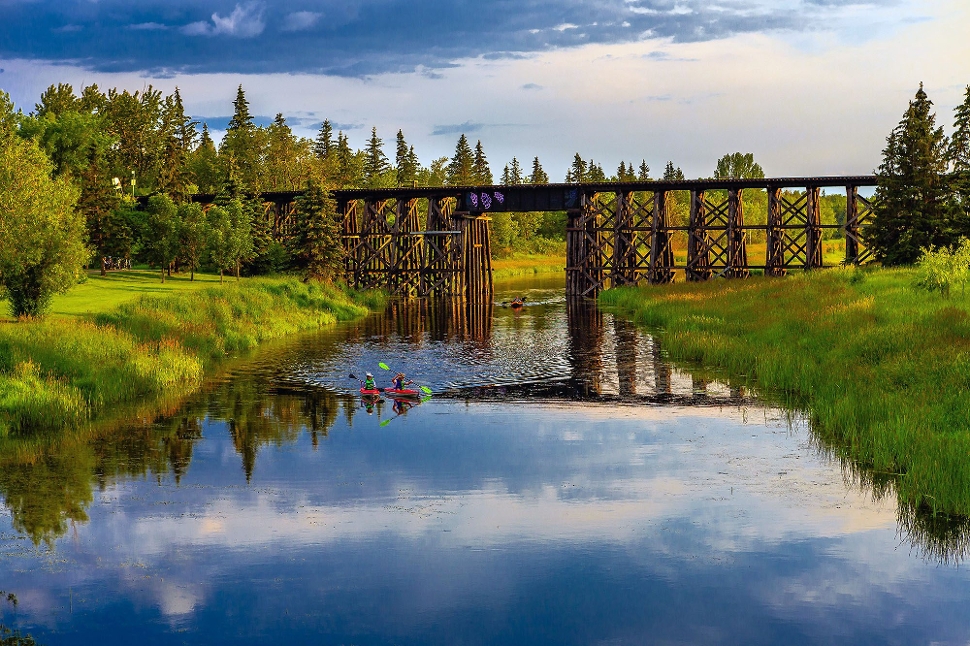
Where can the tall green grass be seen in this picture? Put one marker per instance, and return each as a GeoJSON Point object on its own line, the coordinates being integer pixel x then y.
{"type": "Point", "coordinates": [882, 368]}
{"type": "Point", "coordinates": [521, 265]}
{"type": "Point", "coordinates": [59, 372]}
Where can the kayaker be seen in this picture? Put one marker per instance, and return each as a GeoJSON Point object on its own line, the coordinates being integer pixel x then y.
{"type": "Point", "coordinates": [369, 382]}
{"type": "Point", "coordinates": [399, 382]}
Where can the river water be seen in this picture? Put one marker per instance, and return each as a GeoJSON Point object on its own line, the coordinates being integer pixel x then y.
{"type": "Point", "coordinates": [565, 485]}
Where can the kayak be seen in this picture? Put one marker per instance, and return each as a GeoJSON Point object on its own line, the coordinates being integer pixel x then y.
{"type": "Point", "coordinates": [516, 304]}
{"type": "Point", "coordinates": [403, 392]}
{"type": "Point", "coordinates": [367, 392]}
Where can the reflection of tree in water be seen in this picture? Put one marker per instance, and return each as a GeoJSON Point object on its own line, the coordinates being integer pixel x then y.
{"type": "Point", "coordinates": [47, 485]}
{"type": "Point", "coordinates": [10, 637]}
{"type": "Point", "coordinates": [260, 417]}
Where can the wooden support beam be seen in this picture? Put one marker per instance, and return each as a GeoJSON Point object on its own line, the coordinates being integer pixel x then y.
{"type": "Point", "coordinates": [813, 230]}
{"type": "Point", "coordinates": [661, 253]}
{"type": "Point", "coordinates": [774, 236]}
{"type": "Point", "coordinates": [698, 241]}
{"type": "Point", "coordinates": [851, 226]}
{"type": "Point", "coordinates": [737, 250]}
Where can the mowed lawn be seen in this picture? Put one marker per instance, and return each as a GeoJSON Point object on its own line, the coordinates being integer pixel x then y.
{"type": "Point", "coordinates": [101, 294]}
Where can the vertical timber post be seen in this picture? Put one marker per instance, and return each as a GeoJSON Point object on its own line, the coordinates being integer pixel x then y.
{"type": "Point", "coordinates": [737, 251]}
{"type": "Point", "coordinates": [624, 250]}
{"type": "Point", "coordinates": [775, 251]}
{"type": "Point", "coordinates": [698, 246]}
{"type": "Point", "coordinates": [661, 255]}
{"type": "Point", "coordinates": [813, 230]}
{"type": "Point", "coordinates": [584, 264]}
{"type": "Point", "coordinates": [851, 227]}
{"type": "Point", "coordinates": [351, 242]}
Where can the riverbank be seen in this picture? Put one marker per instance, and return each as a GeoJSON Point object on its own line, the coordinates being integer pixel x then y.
{"type": "Point", "coordinates": [523, 265]}
{"type": "Point", "coordinates": [882, 369]}
{"type": "Point", "coordinates": [73, 366]}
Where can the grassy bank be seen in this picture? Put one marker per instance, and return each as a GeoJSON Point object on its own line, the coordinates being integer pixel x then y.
{"type": "Point", "coordinates": [524, 265]}
{"type": "Point", "coordinates": [65, 369]}
{"type": "Point", "coordinates": [882, 369]}
{"type": "Point", "coordinates": [99, 294]}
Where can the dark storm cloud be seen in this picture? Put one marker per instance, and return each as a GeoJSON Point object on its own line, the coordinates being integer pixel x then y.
{"type": "Point", "coordinates": [359, 38]}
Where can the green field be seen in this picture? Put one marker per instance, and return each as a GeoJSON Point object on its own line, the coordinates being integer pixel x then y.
{"type": "Point", "coordinates": [882, 369]}
{"type": "Point", "coordinates": [524, 265]}
{"type": "Point", "coordinates": [99, 294]}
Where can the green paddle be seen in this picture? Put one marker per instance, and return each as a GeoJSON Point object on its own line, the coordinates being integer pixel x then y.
{"type": "Point", "coordinates": [424, 389]}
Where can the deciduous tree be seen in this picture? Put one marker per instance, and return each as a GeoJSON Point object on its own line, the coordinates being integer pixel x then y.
{"type": "Point", "coordinates": [161, 235]}
{"type": "Point", "coordinates": [41, 233]}
{"type": "Point", "coordinates": [738, 166]}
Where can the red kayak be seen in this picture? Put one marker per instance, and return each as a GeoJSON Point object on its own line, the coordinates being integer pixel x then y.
{"type": "Point", "coordinates": [403, 392]}
{"type": "Point", "coordinates": [368, 392]}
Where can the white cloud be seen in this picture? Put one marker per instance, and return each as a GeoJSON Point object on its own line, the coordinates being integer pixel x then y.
{"type": "Point", "coordinates": [245, 21]}
{"type": "Point", "coordinates": [301, 20]}
{"type": "Point", "coordinates": [148, 26]}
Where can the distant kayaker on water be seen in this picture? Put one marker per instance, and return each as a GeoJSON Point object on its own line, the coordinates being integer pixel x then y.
{"type": "Point", "coordinates": [369, 382]}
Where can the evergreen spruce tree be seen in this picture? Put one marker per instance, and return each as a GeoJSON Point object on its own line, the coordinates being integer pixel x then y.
{"type": "Point", "coordinates": [577, 171]}
{"type": "Point", "coordinates": [595, 172]}
{"type": "Point", "coordinates": [506, 176]}
{"type": "Point", "coordinates": [414, 166]}
{"type": "Point", "coordinates": [643, 174]}
{"type": "Point", "coordinates": [241, 118]}
{"type": "Point", "coordinates": [323, 145]}
{"type": "Point", "coordinates": [913, 210]}
{"type": "Point", "coordinates": [375, 161]}
{"type": "Point", "coordinates": [621, 172]}
{"type": "Point", "coordinates": [241, 146]}
{"type": "Point", "coordinates": [345, 161]}
{"type": "Point", "coordinates": [959, 154]}
{"type": "Point", "coordinates": [316, 247]}
{"type": "Point", "coordinates": [179, 133]}
{"type": "Point", "coordinates": [672, 173]}
{"type": "Point", "coordinates": [538, 176]}
{"type": "Point", "coordinates": [461, 170]}
{"type": "Point", "coordinates": [515, 172]}
{"type": "Point", "coordinates": [405, 161]}
{"type": "Point", "coordinates": [480, 170]}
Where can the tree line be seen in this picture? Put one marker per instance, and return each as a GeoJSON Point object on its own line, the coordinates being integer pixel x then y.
{"type": "Point", "coordinates": [70, 171]}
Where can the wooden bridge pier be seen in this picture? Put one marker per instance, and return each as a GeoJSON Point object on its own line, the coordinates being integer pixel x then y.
{"type": "Point", "coordinates": [387, 246]}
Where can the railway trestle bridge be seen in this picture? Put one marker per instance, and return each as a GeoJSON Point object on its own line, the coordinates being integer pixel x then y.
{"type": "Point", "coordinates": [425, 241]}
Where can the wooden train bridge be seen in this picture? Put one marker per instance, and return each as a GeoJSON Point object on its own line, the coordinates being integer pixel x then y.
{"type": "Point", "coordinates": [426, 241]}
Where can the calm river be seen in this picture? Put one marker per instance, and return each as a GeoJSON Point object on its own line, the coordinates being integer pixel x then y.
{"type": "Point", "coordinates": [564, 486]}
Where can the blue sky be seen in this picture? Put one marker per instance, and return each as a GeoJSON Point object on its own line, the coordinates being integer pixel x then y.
{"type": "Point", "coordinates": [809, 86]}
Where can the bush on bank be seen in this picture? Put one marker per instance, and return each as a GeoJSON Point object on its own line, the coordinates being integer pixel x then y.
{"type": "Point", "coordinates": [58, 372]}
{"type": "Point", "coordinates": [882, 368]}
